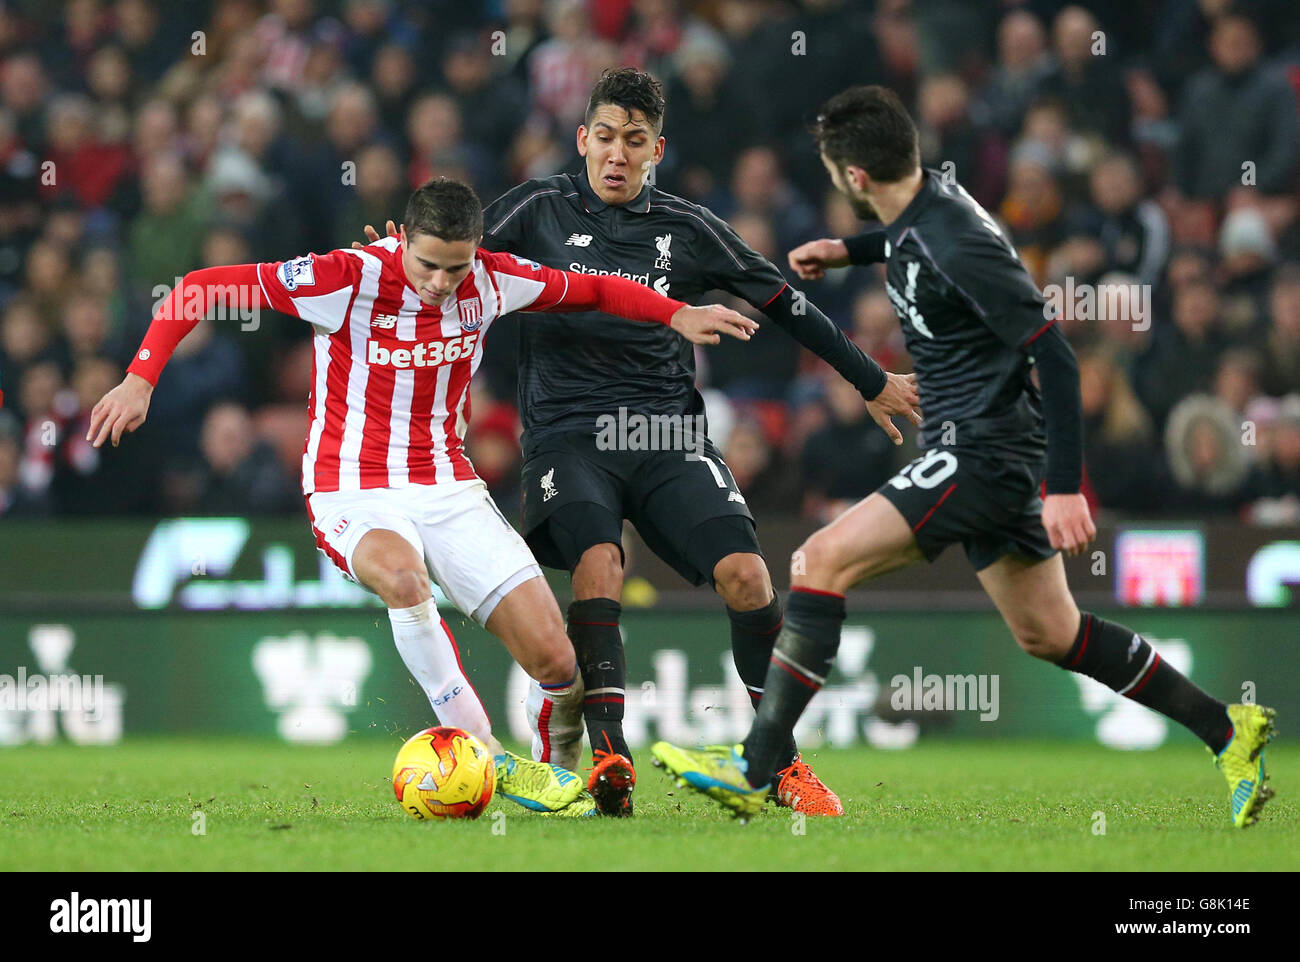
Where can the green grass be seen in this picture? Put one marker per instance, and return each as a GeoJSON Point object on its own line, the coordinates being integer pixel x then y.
{"type": "Point", "coordinates": [942, 805]}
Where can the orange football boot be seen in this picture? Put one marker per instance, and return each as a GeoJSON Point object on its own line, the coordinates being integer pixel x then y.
{"type": "Point", "coordinates": [799, 788]}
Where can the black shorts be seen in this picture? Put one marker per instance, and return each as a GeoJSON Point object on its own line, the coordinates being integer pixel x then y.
{"type": "Point", "coordinates": [686, 506]}
{"type": "Point", "coordinates": [990, 504]}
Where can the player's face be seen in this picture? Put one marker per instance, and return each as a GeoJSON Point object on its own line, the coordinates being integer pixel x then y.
{"type": "Point", "coordinates": [621, 148]}
{"type": "Point", "coordinates": [845, 183]}
{"type": "Point", "coordinates": [435, 267]}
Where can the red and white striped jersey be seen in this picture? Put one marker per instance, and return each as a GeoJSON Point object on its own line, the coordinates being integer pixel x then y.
{"type": "Point", "coordinates": [390, 375]}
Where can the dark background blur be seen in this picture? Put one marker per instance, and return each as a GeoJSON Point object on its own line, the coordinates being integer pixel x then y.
{"type": "Point", "coordinates": [1144, 142]}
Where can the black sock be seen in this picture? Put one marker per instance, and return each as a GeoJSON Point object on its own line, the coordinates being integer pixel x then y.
{"type": "Point", "coordinates": [593, 627]}
{"type": "Point", "coordinates": [801, 659]}
{"type": "Point", "coordinates": [1123, 661]}
{"type": "Point", "coordinates": [753, 635]}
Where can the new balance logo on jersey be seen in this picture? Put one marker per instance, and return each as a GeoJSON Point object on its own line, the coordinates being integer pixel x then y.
{"type": "Point", "coordinates": [664, 262]}
{"type": "Point", "coordinates": [578, 240]}
{"type": "Point", "coordinates": [296, 273]}
{"type": "Point", "coordinates": [384, 321]}
{"type": "Point", "coordinates": [421, 354]}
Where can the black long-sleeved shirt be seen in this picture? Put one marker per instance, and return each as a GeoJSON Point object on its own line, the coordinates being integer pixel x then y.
{"type": "Point", "coordinates": [975, 324]}
{"type": "Point", "coordinates": [574, 368]}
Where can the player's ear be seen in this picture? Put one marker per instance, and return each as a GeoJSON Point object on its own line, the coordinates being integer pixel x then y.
{"type": "Point", "coordinates": [659, 149]}
{"type": "Point", "coordinates": [582, 140]}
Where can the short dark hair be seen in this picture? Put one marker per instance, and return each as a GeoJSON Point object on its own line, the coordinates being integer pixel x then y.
{"type": "Point", "coordinates": [446, 209]}
{"type": "Point", "coordinates": [630, 89]}
{"type": "Point", "coordinates": [868, 127]}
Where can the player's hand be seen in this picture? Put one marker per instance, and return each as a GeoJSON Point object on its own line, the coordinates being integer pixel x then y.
{"type": "Point", "coordinates": [1068, 522]}
{"type": "Point", "coordinates": [121, 409]}
{"type": "Point", "coordinates": [372, 235]}
{"type": "Point", "coordinates": [811, 260]}
{"type": "Point", "coordinates": [899, 397]}
{"type": "Point", "coordinates": [702, 325]}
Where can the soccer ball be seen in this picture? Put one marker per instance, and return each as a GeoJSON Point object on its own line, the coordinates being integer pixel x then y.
{"type": "Point", "coordinates": [444, 773]}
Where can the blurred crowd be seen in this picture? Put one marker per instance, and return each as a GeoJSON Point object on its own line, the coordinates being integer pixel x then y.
{"type": "Point", "coordinates": [1144, 145]}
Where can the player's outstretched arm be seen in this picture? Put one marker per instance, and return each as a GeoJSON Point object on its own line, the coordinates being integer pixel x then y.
{"type": "Point", "coordinates": [628, 299]}
{"type": "Point", "coordinates": [811, 260]}
{"type": "Point", "coordinates": [123, 409]}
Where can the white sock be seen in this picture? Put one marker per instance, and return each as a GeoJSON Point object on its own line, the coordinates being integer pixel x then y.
{"type": "Point", "coordinates": [429, 651]}
{"type": "Point", "coordinates": [555, 716]}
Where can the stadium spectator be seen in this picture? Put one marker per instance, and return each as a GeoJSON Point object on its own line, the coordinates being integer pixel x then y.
{"type": "Point", "coordinates": [395, 79]}
{"type": "Point", "coordinates": [1084, 78]}
{"type": "Point", "coordinates": [1209, 463]}
{"type": "Point", "coordinates": [1276, 486]}
{"type": "Point", "coordinates": [240, 473]}
{"type": "Point", "coordinates": [875, 330]}
{"type": "Point", "coordinates": [701, 101]}
{"type": "Point", "coordinates": [492, 106]}
{"type": "Point", "coordinates": [955, 138]}
{"type": "Point", "coordinates": [1033, 209]}
{"type": "Point", "coordinates": [1132, 230]}
{"type": "Point", "coordinates": [1183, 355]}
{"type": "Point", "coordinates": [1237, 111]}
{"type": "Point", "coordinates": [766, 478]}
{"type": "Point", "coordinates": [1117, 436]}
{"type": "Point", "coordinates": [24, 93]}
{"type": "Point", "coordinates": [1022, 64]}
{"type": "Point", "coordinates": [164, 239]}
{"type": "Point", "coordinates": [845, 460]}
{"type": "Point", "coordinates": [759, 188]}
{"type": "Point", "coordinates": [16, 501]}
{"type": "Point", "coordinates": [1280, 344]}
{"type": "Point", "coordinates": [150, 47]}
{"type": "Point", "coordinates": [1246, 256]}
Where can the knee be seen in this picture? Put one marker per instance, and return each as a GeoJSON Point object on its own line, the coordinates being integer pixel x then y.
{"type": "Point", "coordinates": [743, 582]}
{"type": "Point", "coordinates": [550, 659]}
{"type": "Point", "coordinates": [1040, 640]}
{"type": "Point", "coordinates": [815, 564]}
{"type": "Point", "coordinates": [599, 572]}
{"type": "Point", "coordinates": [403, 586]}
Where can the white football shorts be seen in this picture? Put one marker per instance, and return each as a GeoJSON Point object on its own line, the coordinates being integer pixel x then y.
{"type": "Point", "coordinates": [471, 551]}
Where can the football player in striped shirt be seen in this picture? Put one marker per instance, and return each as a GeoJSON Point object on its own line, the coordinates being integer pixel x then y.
{"type": "Point", "coordinates": [398, 333]}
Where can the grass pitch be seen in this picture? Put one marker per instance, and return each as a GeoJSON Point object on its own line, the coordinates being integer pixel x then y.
{"type": "Point", "coordinates": [244, 804]}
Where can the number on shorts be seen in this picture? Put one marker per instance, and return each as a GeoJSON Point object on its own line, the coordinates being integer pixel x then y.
{"type": "Point", "coordinates": [927, 472]}
{"type": "Point", "coordinates": [717, 475]}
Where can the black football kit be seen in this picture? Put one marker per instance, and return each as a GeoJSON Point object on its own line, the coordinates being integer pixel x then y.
{"type": "Point", "coordinates": [601, 397]}
{"type": "Point", "coordinates": [976, 326]}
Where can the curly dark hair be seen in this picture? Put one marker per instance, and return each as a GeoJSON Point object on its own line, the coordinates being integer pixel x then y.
{"type": "Point", "coordinates": [868, 127]}
{"type": "Point", "coordinates": [630, 89]}
{"type": "Point", "coordinates": [446, 209]}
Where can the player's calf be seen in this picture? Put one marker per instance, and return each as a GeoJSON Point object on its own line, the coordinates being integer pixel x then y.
{"type": "Point", "coordinates": [528, 622]}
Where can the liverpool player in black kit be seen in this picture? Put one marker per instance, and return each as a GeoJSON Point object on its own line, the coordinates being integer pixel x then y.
{"type": "Point", "coordinates": [976, 326]}
{"type": "Point", "coordinates": [577, 486]}
{"type": "Point", "coordinates": [580, 372]}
